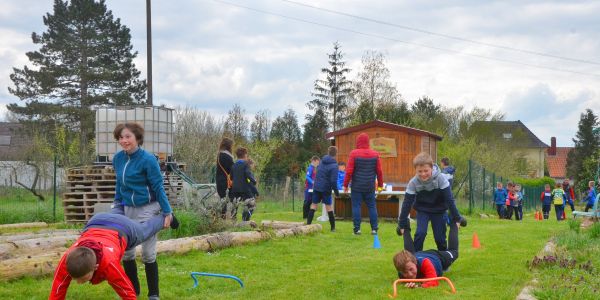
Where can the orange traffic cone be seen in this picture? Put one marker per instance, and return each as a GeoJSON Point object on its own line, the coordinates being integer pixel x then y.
{"type": "Point", "coordinates": [537, 215]}
{"type": "Point", "coordinates": [564, 216]}
{"type": "Point", "coordinates": [476, 244]}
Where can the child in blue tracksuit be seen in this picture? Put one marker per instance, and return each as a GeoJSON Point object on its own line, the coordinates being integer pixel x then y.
{"type": "Point", "coordinates": [341, 175]}
{"type": "Point", "coordinates": [500, 195]}
{"type": "Point", "coordinates": [325, 182]}
{"type": "Point", "coordinates": [546, 198]}
{"type": "Point", "coordinates": [431, 195]}
{"type": "Point", "coordinates": [448, 170]}
{"type": "Point", "coordinates": [591, 196]}
{"type": "Point", "coordinates": [520, 201]}
{"type": "Point", "coordinates": [309, 179]}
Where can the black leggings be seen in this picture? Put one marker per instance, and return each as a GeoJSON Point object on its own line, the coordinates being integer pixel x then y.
{"type": "Point", "coordinates": [446, 257]}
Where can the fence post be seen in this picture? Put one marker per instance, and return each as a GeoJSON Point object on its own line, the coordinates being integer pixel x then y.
{"type": "Point", "coordinates": [54, 188]}
{"type": "Point", "coordinates": [293, 191]}
{"type": "Point", "coordinates": [483, 191]}
{"type": "Point", "coordinates": [470, 186]}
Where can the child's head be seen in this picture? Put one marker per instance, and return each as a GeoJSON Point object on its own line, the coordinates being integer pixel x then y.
{"type": "Point", "coordinates": [332, 151]}
{"type": "Point", "coordinates": [557, 185]}
{"type": "Point", "coordinates": [241, 153]}
{"type": "Point", "coordinates": [591, 184]}
{"type": "Point", "coordinates": [510, 186]}
{"type": "Point", "coordinates": [499, 185]}
{"type": "Point", "coordinates": [315, 161]}
{"type": "Point", "coordinates": [406, 264]}
{"type": "Point", "coordinates": [517, 187]}
{"type": "Point", "coordinates": [342, 166]}
{"type": "Point", "coordinates": [547, 187]}
{"type": "Point", "coordinates": [423, 164]}
{"type": "Point", "coordinates": [445, 161]}
{"type": "Point", "coordinates": [81, 264]}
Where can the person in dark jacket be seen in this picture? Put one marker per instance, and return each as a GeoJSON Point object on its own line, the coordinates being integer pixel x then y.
{"type": "Point", "coordinates": [363, 167]}
{"type": "Point", "coordinates": [224, 163]}
{"type": "Point", "coordinates": [309, 179]}
{"type": "Point", "coordinates": [431, 195]}
{"type": "Point", "coordinates": [242, 179]}
{"type": "Point", "coordinates": [448, 170]}
{"type": "Point", "coordinates": [325, 182]}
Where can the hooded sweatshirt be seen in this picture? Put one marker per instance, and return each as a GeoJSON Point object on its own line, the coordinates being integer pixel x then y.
{"type": "Point", "coordinates": [327, 174]}
{"type": "Point", "coordinates": [363, 166]}
{"type": "Point", "coordinates": [430, 196]}
{"type": "Point", "coordinates": [449, 172]}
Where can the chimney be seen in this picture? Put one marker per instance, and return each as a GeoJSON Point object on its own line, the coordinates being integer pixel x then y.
{"type": "Point", "coordinates": [552, 149]}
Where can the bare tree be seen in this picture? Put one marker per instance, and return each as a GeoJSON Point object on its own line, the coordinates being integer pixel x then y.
{"type": "Point", "coordinates": [236, 124]}
{"type": "Point", "coordinates": [261, 126]}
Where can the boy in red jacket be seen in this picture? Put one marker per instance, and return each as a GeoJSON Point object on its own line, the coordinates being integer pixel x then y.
{"type": "Point", "coordinates": [411, 264]}
{"type": "Point", "coordinates": [97, 254]}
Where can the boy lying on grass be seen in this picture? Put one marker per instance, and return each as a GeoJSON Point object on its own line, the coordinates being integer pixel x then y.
{"type": "Point", "coordinates": [97, 254]}
{"type": "Point", "coordinates": [411, 264]}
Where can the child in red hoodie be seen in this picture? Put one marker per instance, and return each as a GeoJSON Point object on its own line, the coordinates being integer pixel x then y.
{"type": "Point", "coordinates": [97, 254]}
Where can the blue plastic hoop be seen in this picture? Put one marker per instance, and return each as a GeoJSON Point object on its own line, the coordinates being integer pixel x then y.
{"type": "Point", "coordinates": [194, 274]}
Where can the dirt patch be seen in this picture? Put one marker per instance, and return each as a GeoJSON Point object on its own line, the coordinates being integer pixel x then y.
{"type": "Point", "coordinates": [587, 223]}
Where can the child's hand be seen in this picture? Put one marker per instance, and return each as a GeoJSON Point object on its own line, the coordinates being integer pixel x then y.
{"type": "Point", "coordinates": [411, 285]}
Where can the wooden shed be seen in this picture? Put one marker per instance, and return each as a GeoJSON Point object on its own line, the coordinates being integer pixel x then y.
{"type": "Point", "coordinates": [397, 146]}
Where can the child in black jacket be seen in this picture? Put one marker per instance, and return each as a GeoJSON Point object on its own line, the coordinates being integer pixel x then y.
{"type": "Point", "coordinates": [243, 181]}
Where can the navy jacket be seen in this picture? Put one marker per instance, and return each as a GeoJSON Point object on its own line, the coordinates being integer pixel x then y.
{"type": "Point", "coordinates": [242, 178]}
{"type": "Point", "coordinates": [139, 180]}
{"type": "Point", "coordinates": [363, 166]}
{"type": "Point", "coordinates": [327, 175]}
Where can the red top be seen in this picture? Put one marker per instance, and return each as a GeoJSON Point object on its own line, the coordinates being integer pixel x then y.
{"type": "Point", "coordinates": [362, 150]}
{"type": "Point", "coordinates": [109, 266]}
{"type": "Point", "coordinates": [428, 271]}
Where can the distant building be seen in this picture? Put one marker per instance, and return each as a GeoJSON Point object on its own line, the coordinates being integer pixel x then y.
{"type": "Point", "coordinates": [12, 141]}
{"type": "Point", "coordinates": [556, 159]}
{"type": "Point", "coordinates": [521, 137]}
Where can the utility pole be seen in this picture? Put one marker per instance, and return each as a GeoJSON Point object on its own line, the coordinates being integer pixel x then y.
{"type": "Point", "coordinates": [149, 51]}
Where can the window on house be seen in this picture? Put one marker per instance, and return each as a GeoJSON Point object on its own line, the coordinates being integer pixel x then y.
{"type": "Point", "coordinates": [507, 136]}
{"type": "Point", "coordinates": [5, 140]}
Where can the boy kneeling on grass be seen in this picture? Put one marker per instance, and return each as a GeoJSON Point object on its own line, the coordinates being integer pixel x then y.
{"type": "Point", "coordinates": [412, 264]}
{"type": "Point", "coordinates": [97, 254]}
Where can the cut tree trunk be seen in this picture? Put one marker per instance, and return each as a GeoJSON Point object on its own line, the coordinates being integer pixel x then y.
{"type": "Point", "coordinates": [36, 245]}
{"type": "Point", "coordinates": [23, 225]}
{"type": "Point", "coordinates": [44, 233]}
{"type": "Point", "coordinates": [279, 224]}
{"type": "Point", "coordinates": [40, 264]}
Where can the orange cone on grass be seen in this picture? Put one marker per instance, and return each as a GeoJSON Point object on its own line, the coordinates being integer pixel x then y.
{"type": "Point", "coordinates": [476, 244]}
{"type": "Point", "coordinates": [537, 215]}
{"type": "Point", "coordinates": [564, 216]}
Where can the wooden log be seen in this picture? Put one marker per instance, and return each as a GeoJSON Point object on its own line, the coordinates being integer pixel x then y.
{"type": "Point", "coordinates": [36, 245]}
{"type": "Point", "coordinates": [279, 224]}
{"type": "Point", "coordinates": [41, 264]}
{"type": "Point", "coordinates": [46, 233]}
{"type": "Point", "coordinates": [23, 225]}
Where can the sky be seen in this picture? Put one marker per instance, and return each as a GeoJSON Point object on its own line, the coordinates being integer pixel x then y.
{"type": "Point", "coordinates": [534, 61]}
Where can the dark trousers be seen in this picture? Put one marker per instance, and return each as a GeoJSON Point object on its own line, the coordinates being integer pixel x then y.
{"type": "Point", "coordinates": [306, 204]}
{"type": "Point", "coordinates": [501, 209]}
{"type": "Point", "coordinates": [559, 209]}
{"type": "Point", "coordinates": [520, 209]}
{"type": "Point", "coordinates": [571, 204]}
{"type": "Point", "coordinates": [357, 199]}
{"type": "Point", "coordinates": [448, 256]}
{"type": "Point", "coordinates": [438, 225]}
{"type": "Point", "coordinates": [512, 210]}
{"type": "Point", "coordinates": [588, 207]}
{"type": "Point", "coordinates": [546, 211]}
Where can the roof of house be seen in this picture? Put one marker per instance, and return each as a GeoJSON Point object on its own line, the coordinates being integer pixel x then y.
{"type": "Point", "coordinates": [12, 140]}
{"type": "Point", "coordinates": [509, 127]}
{"type": "Point", "coordinates": [557, 164]}
{"type": "Point", "coordinates": [383, 124]}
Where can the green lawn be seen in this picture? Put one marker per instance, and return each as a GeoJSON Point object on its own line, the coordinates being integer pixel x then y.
{"type": "Point", "coordinates": [335, 265]}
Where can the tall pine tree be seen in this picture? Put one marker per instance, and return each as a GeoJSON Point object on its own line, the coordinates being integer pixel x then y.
{"type": "Point", "coordinates": [85, 59]}
{"type": "Point", "coordinates": [582, 160]}
{"type": "Point", "coordinates": [332, 94]}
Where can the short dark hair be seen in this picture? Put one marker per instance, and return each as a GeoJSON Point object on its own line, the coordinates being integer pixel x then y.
{"type": "Point", "coordinates": [332, 150]}
{"type": "Point", "coordinates": [241, 152]}
{"type": "Point", "coordinates": [314, 158]}
{"type": "Point", "coordinates": [135, 128]}
{"type": "Point", "coordinates": [341, 163]}
{"type": "Point", "coordinates": [226, 144]}
{"type": "Point", "coordinates": [80, 261]}
{"type": "Point", "coordinates": [446, 161]}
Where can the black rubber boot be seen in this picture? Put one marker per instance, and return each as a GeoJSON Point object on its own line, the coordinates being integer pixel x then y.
{"type": "Point", "coordinates": [331, 220]}
{"type": "Point", "coordinates": [152, 279]}
{"type": "Point", "coordinates": [131, 271]}
{"type": "Point", "coordinates": [311, 215]}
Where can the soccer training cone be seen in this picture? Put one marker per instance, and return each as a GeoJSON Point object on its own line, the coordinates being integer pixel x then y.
{"type": "Point", "coordinates": [564, 216]}
{"type": "Point", "coordinates": [476, 244]}
{"type": "Point", "coordinates": [537, 215]}
{"type": "Point", "coordinates": [376, 242]}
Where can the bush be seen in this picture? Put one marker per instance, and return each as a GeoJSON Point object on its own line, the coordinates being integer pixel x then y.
{"type": "Point", "coordinates": [535, 182]}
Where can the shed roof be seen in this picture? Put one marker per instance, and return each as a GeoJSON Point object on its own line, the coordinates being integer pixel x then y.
{"type": "Point", "coordinates": [383, 124]}
{"type": "Point", "coordinates": [502, 127]}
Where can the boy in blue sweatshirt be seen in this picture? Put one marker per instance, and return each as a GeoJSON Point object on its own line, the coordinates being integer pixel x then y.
{"type": "Point", "coordinates": [500, 195]}
{"type": "Point", "coordinates": [341, 175]}
{"type": "Point", "coordinates": [546, 198]}
{"type": "Point", "coordinates": [431, 195]}
{"type": "Point", "coordinates": [325, 182]}
{"type": "Point", "coordinates": [591, 196]}
{"type": "Point", "coordinates": [448, 170]}
{"type": "Point", "coordinates": [309, 179]}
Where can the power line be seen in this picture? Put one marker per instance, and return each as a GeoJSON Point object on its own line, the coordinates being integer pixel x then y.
{"type": "Point", "coordinates": [445, 35]}
{"type": "Point", "coordinates": [404, 42]}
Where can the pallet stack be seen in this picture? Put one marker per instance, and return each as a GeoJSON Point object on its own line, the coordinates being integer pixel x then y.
{"type": "Point", "coordinates": [90, 185]}
{"type": "Point", "coordinates": [86, 186]}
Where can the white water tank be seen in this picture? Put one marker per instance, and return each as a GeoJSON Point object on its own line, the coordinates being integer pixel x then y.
{"type": "Point", "coordinates": [156, 120]}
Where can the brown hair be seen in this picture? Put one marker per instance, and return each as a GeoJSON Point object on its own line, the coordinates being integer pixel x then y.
{"type": "Point", "coordinates": [241, 152]}
{"type": "Point", "coordinates": [558, 185]}
{"type": "Point", "coordinates": [80, 261]}
{"type": "Point", "coordinates": [226, 144]}
{"type": "Point", "coordinates": [446, 161]}
{"type": "Point", "coordinates": [422, 159]}
{"type": "Point", "coordinates": [135, 128]}
{"type": "Point", "coordinates": [547, 185]}
{"type": "Point", "coordinates": [314, 158]}
{"type": "Point", "coordinates": [341, 163]}
{"type": "Point", "coordinates": [402, 258]}
{"type": "Point", "coordinates": [332, 150]}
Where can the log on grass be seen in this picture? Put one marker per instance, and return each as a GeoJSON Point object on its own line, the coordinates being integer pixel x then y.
{"type": "Point", "coordinates": [45, 233]}
{"type": "Point", "coordinates": [30, 265]}
{"type": "Point", "coordinates": [36, 245]}
{"type": "Point", "coordinates": [23, 225]}
{"type": "Point", "coordinates": [279, 224]}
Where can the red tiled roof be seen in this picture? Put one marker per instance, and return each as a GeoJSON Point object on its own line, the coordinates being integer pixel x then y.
{"type": "Point", "coordinates": [557, 164]}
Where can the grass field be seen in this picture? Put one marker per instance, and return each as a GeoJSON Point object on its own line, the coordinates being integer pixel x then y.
{"type": "Point", "coordinates": [337, 265]}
